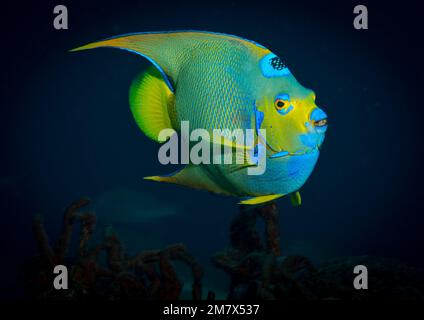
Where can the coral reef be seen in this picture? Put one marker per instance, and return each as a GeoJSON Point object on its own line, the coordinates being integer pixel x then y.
{"type": "Point", "coordinates": [147, 275]}
{"type": "Point", "coordinates": [254, 262]}
{"type": "Point", "coordinates": [259, 271]}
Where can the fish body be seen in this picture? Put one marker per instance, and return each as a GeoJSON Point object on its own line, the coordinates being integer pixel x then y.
{"type": "Point", "coordinates": [217, 81]}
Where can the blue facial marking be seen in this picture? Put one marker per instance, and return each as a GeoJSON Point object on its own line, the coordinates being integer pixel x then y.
{"type": "Point", "coordinates": [272, 66]}
{"type": "Point", "coordinates": [279, 154]}
{"type": "Point", "coordinates": [321, 130]}
{"type": "Point", "coordinates": [296, 165]}
{"type": "Point", "coordinates": [285, 111]}
{"type": "Point", "coordinates": [318, 115]}
{"type": "Point", "coordinates": [311, 139]}
{"type": "Point", "coordinates": [283, 96]}
{"type": "Point", "coordinates": [259, 119]}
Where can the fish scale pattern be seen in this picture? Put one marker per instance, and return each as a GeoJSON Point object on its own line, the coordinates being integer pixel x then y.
{"type": "Point", "coordinates": [213, 91]}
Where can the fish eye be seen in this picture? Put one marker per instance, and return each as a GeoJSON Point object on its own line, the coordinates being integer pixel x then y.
{"type": "Point", "coordinates": [280, 103]}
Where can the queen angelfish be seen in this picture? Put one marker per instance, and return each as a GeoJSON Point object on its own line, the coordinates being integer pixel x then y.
{"type": "Point", "coordinates": [219, 81]}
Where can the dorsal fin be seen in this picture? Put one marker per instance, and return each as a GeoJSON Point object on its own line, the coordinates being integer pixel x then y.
{"type": "Point", "coordinates": [169, 50]}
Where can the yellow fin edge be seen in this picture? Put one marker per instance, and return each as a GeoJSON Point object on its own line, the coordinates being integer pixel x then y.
{"type": "Point", "coordinates": [261, 199]}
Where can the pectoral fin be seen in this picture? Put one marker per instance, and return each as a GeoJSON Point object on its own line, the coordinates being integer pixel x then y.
{"type": "Point", "coordinates": [152, 103]}
{"type": "Point", "coordinates": [295, 198]}
{"type": "Point", "coordinates": [261, 199]}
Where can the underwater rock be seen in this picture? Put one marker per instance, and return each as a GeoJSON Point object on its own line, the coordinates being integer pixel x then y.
{"type": "Point", "coordinates": [147, 275]}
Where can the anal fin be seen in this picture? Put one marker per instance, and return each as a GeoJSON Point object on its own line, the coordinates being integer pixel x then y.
{"type": "Point", "coordinates": [261, 199]}
{"type": "Point", "coordinates": [192, 176]}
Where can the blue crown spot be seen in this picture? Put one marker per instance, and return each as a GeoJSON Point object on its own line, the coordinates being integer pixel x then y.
{"type": "Point", "coordinates": [273, 66]}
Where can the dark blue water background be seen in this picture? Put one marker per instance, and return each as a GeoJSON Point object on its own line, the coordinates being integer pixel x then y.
{"type": "Point", "coordinates": [67, 130]}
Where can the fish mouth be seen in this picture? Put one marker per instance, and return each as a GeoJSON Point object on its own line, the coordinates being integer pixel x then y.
{"type": "Point", "coordinates": [284, 153]}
